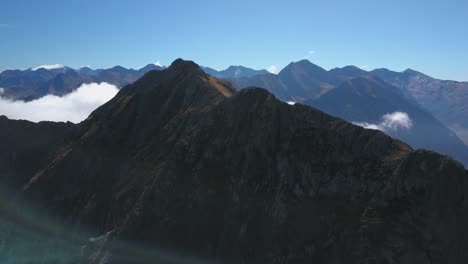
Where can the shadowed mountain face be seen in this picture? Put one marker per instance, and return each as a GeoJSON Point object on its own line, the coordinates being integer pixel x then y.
{"type": "Point", "coordinates": [371, 101]}
{"type": "Point", "coordinates": [181, 164]}
{"type": "Point", "coordinates": [446, 100]}
{"type": "Point", "coordinates": [27, 147]}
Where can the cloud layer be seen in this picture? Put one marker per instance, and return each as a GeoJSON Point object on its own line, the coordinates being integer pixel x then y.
{"type": "Point", "coordinates": [273, 69]}
{"type": "Point", "coordinates": [48, 67]}
{"type": "Point", "coordinates": [390, 122]}
{"type": "Point", "coordinates": [158, 63]}
{"type": "Point", "coordinates": [73, 107]}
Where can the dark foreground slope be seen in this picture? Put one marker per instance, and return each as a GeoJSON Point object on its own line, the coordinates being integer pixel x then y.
{"type": "Point", "coordinates": [180, 164]}
{"type": "Point", "coordinates": [26, 146]}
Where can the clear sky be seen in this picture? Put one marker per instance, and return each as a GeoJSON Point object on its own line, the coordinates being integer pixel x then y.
{"type": "Point", "coordinates": [429, 36]}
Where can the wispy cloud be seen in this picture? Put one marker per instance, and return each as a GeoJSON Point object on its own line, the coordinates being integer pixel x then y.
{"type": "Point", "coordinates": [273, 69]}
{"type": "Point", "coordinates": [48, 67]}
{"type": "Point", "coordinates": [2, 91]}
{"type": "Point", "coordinates": [74, 107]}
{"type": "Point", "coordinates": [364, 67]}
{"type": "Point", "coordinates": [390, 122]}
{"type": "Point", "coordinates": [158, 63]}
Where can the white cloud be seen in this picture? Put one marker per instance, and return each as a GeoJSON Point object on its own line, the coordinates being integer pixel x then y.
{"type": "Point", "coordinates": [74, 107]}
{"type": "Point", "coordinates": [397, 120]}
{"type": "Point", "coordinates": [291, 102]}
{"type": "Point", "coordinates": [48, 67]}
{"type": "Point", "coordinates": [364, 67]}
{"type": "Point", "coordinates": [158, 63]}
{"type": "Point", "coordinates": [272, 69]}
{"type": "Point", "coordinates": [390, 122]}
{"type": "Point", "coordinates": [2, 91]}
{"type": "Point", "coordinates": [311, 52]}
{"type": "Point", "coordinates": [368, 125]}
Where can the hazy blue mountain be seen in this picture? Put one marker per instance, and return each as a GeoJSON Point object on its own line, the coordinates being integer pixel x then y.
{"type": "Point", "coordinates": [305, 80]}
{"type": "Point", "coordinates": [34, 83]}
{"type": "Point", "coordinates": [298, 81]}
{"type": "Point", "coordinates": [371, 102]}
{"type": "Point", "coordinates": [19, 84]}
{"type": "Point", "coordinates": [302, 80]}
{"type": "Point", "coordinates": [88, 71]}
{"type": "Point", "coordinates": [446, 100]}
{"type": "Point", "coordinates": [150, 67]}
{"type": "Point", "coordinates": [234, 72]}
{"type": "Point", "coordinates": [346, 73]}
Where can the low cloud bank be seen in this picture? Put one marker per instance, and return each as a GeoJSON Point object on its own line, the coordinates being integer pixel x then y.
{"type": "Point", "coordinates": [48, 67]}
{"type": "Point", "coordinates": [74, 107]}
{"type": "Point", "coordinates": [390, 122]}
{"type": "Point", "coordinates": [273, 69]}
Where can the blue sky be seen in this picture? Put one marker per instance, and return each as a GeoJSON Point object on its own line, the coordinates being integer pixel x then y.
{"type": "Point", "coordinates": [429, 36]}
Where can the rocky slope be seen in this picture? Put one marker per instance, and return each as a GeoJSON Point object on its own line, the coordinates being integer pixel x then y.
{"type": "Point", "coordinates": [181, 168]}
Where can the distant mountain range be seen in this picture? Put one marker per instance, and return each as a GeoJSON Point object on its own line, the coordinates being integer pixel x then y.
{"type": "Point", "coordinates": [234, 72]}
{"type": "Point", "coordinates": [446, 100]}
{"type": "Point", "coordinates": [181, 167]}
{"type": "Point", "coordinates": [367, 100]}
{"type": "Point", "coordinates": [443, 103]}
{"type": "Point", "coordinates": [34, 83]}
{"type": "Point", "coordinates": [433, 105]}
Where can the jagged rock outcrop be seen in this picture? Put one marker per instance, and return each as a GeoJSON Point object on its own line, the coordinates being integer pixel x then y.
{"type": "Point", "coordinates": [181, 164]}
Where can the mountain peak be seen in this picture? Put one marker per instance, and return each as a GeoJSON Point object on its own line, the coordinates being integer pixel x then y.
{"type": "Point", "coordinates": [181, 86]}
{"type": "Point", "coordinates": [305, 65]}
{"type": "Point", "coordinates": [411, 71]}
{"type": "Point", "coordinates": [304, 61]}
{"type": "Point", "coordinates": [180, 65]}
